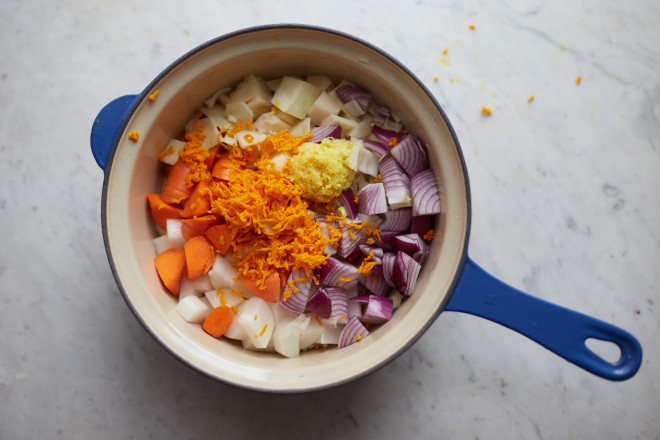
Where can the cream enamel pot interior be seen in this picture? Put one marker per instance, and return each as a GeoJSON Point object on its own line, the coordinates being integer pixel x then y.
{"type": "Point", "coordinates": [449, 280]}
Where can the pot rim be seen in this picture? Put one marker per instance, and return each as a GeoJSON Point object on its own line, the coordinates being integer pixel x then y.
{"type": "Point", "coordinates": [269, 27]}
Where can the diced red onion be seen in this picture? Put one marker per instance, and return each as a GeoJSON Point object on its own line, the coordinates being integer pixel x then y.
{"type": "Point", "coordinates": [366, 250]}
{"type": "Point", "coordinates": [396, 182]}
{"type": "Point", "coordinates": [350, 92]}
{"type": "Point", "coordinates": [380, 111]}
{"type": "Point", "coordinates": [351, 238]}
{"type": "Point", "coordinates": [406, 271]}
{"type": "Point", "coordinates": [352, 332]}
{"type": "Point", "coordinates": [425, 193]}
{"type": "Point", "coordinates": [413, 245]}
{"type": "Point", "coordinates": [375, 284]}
{"type": "Point", "coordinates": [338, 273]}
{"type": "Point", "coordinates": [386, 240]}
{"type": "Point", "coordinates": [378, 308]}
{"type": "Point", "coordinates": [300, 285]}
{"type": "Point", "coordinates": [338, 303]}
{"type": "Point", "coordinates": [325, 230]}
{"type": "Point", "coordinates": [347, 199]}
{"type": "Point", "coordinates": [384, 135]}
{"type": "Point", "coordinates": [378, 148]}
{"type": "Point", "coordinates": [387, 265]}
{"type": "Point", "coordinates": [326, 131]}
{"type": "Point", "coordinates": [396, 220]}
{"type": "Point", "coordinates": [411, 155]}
{"type": "Point", "coordinates": [320, 304]}
{"type": "Point", "coordinates": [421, 224]}
{"type": "Point", "coordinates": [372, 199]}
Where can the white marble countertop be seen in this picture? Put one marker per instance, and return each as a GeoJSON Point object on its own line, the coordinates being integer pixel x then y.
{"type": "Point", "coordinates": [565, 206]}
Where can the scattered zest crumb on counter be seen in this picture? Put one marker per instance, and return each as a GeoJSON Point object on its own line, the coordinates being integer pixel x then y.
{"type": "Point", "coordinates": [153, 95]}
{"type": "Point", "coordinates": [472, 26]}
{"type": "Point", "coordinates": [486, 110]}
{"type": "Point", "coordinates": [531, 98]}
{"type": "Point", "coordinates": [578, 79]}
{"type": "Point", "coordinates": [436, 78]}
{"type": "Point", "coordinates": [134, 135]}
{"type": "Point", "coordinates": [445, 51]}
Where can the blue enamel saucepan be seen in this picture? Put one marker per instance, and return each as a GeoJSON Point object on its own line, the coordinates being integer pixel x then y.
{"type": "Point", "coordinates": [449, 280]}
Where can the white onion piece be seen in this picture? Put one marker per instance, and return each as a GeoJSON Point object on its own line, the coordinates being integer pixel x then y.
{"type": "Point", "coordinates": [396, 220]}
{"type": "Point", "coordinates": [286, 339]}
{"type": "Point", "coordinates": [223, 296]}
{"type": "Point", "coordinates": [196, 287]}
{"type": "Point", "coordinates": [353, 332]}
{"type": "Point", "coordinates": [330, 335]}
{"type": "Point", "coordinates": [338, 273]}
{"type": "Point", "coordinates": [411, 155]}
{"type": "Point", "coordinates": [372, 199]}
{"type": "Point", "coordinates": [425, 192]}
{"type": "Point", "coordinates": [299, 284]}
{"type": "Point", "coordinates": [222, 272]}
{"type": "Point", "coordinates": [162, 243]}
{"type": "Point", "coordinates": [256, 318]}
{"type": "Point", "coordinates": [192, 309]}
{"type": "Point", "coordinates": [235, 330]}
{"type": "Point", "coordinates": [174, 234]}
{"type": "Point", "coordinates": [397, 184]}
{"type": "Point", "coordinates": [405, 273]}
{"type": "Point", "coordinates": [311, 333]}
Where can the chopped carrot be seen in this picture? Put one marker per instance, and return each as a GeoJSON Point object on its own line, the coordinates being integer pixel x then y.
{"type": "Point", "coordinates": [161, 211]}
{"type": "Point", "coordinates": [169, 265]}
{"type": "Point", "coordinates": [196, 226]}
{"type": "Point", "coordinates": [223, 167]}
{"type": "Point", "coordinates": [176, 189]}
{"type": "Point", "coordinates": [198, 203]}
{"type": "Point", "coordinates": [218, 321]}
{"type": "Point", "coordinates": [199, 256]}
{"type": "Point", "coordinates": [220, 237]}
{"type": "Point", "coordinates": [268, 289]}
{"type": "Point", "coordinates": [213, 154]}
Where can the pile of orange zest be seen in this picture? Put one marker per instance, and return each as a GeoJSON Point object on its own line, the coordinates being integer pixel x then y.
{"type": "Point", "coordinates": [267, 217]}
{"type": "Point", "coordinates": [393, 142]}
{"type": "Point", "coordinates": [429, 235]}
{"type": "Point", "coordinates": [134, 135]}
{"type": "Point", "coordinates": [153, 95]}
{"type": "Point", "coordinates": [282, 142]}
{"type": "Point", "coordinates": [367, 265]}
{"type": "Point", "coordinates": [486, 110]}
{"type": "Point", "coordinates": [195, 155]}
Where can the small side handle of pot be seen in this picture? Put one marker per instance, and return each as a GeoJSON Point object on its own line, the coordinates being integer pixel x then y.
{"type": "Point", "coordinates": [107, 127]}
{"type": "Point", "coordinates": [558, 329]}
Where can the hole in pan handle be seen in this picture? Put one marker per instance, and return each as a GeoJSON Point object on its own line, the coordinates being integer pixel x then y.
{"type": "Point", "coordinates": [558, 329]}
{"type": "Point", "coordinates": [108, 126]}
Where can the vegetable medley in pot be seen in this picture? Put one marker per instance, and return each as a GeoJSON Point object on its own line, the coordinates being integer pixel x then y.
{"type": "Point", "coordinates": [296, 213]}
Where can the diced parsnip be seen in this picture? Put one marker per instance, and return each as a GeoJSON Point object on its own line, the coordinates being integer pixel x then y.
{"type": "Point", "coordinates": [224, 99]}
{"type": "Point", "coordinates": [173, 148]}
{"type": "Point", "coordinates": [269, 123]}
{"type": "Point", "coordinates": [281, 315]}
{"type": "Point", "coordinates": [330, 335]}
{"type": "Point", "coordinates": [162, 243]}
{"type": "Point", "coordinates": [273, 84]}
{"type": "Point", "coordinates": [195, 287]}
{"type": "Point", "coordinates": [250, 88]}
{"type": "Point", "coordinates": [239, 111]}
{"type": "Point", "coordinates": [192, 309]}
{"type": "Point", "coordinates": [396, 298]}
{"type": "Point", "coordinates": [324, 106]}
{"type": "Point", "coordinates": [173, 232]}
{"type": "Point", "coordinates": [287, 118]}
{"type": "Point", "coordinates": [286, 340]}
{"type": "Point", "coordinates": [320, 81]}
{"type": "Point", "coordinates": [207, 127]}
{"type": "Point", "coordinates": [256, 318]}
{"type": "Point", "coordinates": [248, 344]}
{"type": "Point", "coordinates": [311, 333]}
{"type": "Point", "coordinates": [295, 96]}
{"type": "Point", "coordinates": [363, 128]}
{"type": "Point", "coordinates": [214, 98]}
{"type": "Point", "coordinates": [223, 296]}
{"type": "Point", "coordinates": [247, 138]}
{"type": "Point", "coordinates": [391, 125]}
{"type": "Point", "coordinates": [259, 106]}
{"type": "Point", "coordinates": [229, 140]}
{"type": "Point", "coordinates": [235, 330]}
{"type": "Point", "coordinates": [301, 128]}
{"type": "Point", "coordinates": [346, 124]}
{"type": "Point", "coordinates": [280, 159]}
{"type": "Point", "coordinates": [222, 272]}
{"type": "Point", "coordinates": [353, 108]}
{"type": "Point", "coordinates": [217, 116]}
